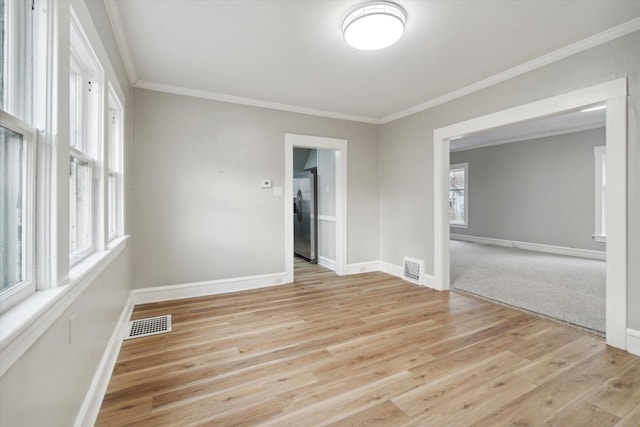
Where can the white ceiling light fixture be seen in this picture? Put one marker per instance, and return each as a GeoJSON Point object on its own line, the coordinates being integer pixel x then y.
{"type": "Point", "coordinates": [374, 25]}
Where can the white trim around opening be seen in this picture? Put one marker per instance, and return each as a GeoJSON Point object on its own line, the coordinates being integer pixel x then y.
{"type": "Point", "coordinates": [614, 94]}
{"type": "Point", "coordinates": [340, 146]}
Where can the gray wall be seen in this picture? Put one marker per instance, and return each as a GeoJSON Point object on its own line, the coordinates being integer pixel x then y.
{"type": "Point", "coordinates": [47, 385]}
{"type": "Point", "coordinates": [536, 191]}
{"type": "Point", "coordinates": [406, 150]}
{"type": "Point", "coordinates": [199, 213]}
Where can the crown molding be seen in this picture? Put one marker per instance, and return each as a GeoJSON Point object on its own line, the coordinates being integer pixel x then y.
{"type": "Point", "coordinates": [603, 37]}
{"type": "Point", "coordinates": [113, 11]}
{"type": "Point", "coordinates": [196, 93]}
{"type": "Point", "coordinates": [572, 49]}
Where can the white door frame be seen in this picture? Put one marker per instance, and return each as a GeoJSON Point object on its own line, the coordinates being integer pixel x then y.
{"type": "Point", "coordinates": [614, 94]}
{"type": "Point", "coordinates": [340, 146]}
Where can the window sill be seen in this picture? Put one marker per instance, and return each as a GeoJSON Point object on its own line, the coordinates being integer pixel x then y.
{"type": "Point", "coordinates": [599, 239]}
{"type": "Point", "coordinates": [25, 322]}
{"type": "Point", "coordinates": [456, 225]}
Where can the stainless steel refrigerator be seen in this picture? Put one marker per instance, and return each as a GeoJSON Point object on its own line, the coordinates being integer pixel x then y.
{"type": "Point", "coordinates": [305, 215]}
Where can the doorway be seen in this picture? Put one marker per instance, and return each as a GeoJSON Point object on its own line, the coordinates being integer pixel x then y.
{"type": "Point", "coordinates": [525, 228]}
{"type": "Point", "coordinates": [614, 95]}
{"type": "Point", "coordinates": [336, 231]}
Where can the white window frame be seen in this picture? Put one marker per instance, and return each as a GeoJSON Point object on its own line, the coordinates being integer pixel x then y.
{"type": "Point", "coordinates": [18, 65]}
{"type": "Point", "coordinates": [17, 115]}
{"type": "Point", "coordinates": [84, 62]}
{"type": "Point", "coordinates": [115, 138]}
{"type": "Point", "coordinates": [600, 183]}
{"type": "Point", "coordinates": [465, 168]}
{"type": "Point", "coordinates": [14, 294]}
{"type": "Point", "coordinates": [42, 102]}
{"type": "Point", "coordinates": [81, 253]}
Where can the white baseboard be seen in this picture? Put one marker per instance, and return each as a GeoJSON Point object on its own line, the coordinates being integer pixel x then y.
{"type": "Point", "coordinates": [327, 263]}
{"type": "Point", "coordinates": [428, 281]}
{"type": "Point", "coordinates": [363, 267]}
{"type": "Point", "coordinates": [396, 270]}
{"type": "Point", "coordinates": [392, 269]}
{"type": "Point", "coordinates": [212, 287]}
{"type": "Point", "coordinates": [538, 247]}
{"type": "Point", "coordinates": [90, 408]}
{"type": "Point", "coordinates": [633, 341]}
{"type": "Point", "coordinates": [93, 399]}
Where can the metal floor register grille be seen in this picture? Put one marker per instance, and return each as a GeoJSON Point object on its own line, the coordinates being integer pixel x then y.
{"type": "Point", "coordinates": [149, 326]}
{"type": "Point", "coordinates": [413, 269]}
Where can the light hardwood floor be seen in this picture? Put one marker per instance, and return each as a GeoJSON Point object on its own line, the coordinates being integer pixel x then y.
{"type": "Point", "coordinates": [367, 349]}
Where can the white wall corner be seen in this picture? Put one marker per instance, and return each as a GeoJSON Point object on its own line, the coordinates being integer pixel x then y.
{"type": "Point", "coordinates": [363, 267]}
{"type": "Point", "coordinates": [90, 408]}
{"type": "Point", "coordinates": [392, 269]}
{"type": "Point", "coordinates": [115, 19]}
{"type": "Point", "coordinates": [428, 280]}
{"type": "Point", "coordinates": [327, 263]}
{"type": "Point", "coordinates": [633, 341]}
{"type": "Point", "coordinates": [397, 270]}
{"type": "Point", "coordinates": [212, 287]}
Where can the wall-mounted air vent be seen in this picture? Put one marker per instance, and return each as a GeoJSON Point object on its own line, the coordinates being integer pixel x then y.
{"type": "Point", "coordinates": [149, 326]}
{"type": "Point", "coordinates": [412, 270]}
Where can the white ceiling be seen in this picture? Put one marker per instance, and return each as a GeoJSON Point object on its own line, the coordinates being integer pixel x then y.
{"type": "Point", "coordinates": [574, 121]}
{"type": "Point", "coordinates": [289, 54]}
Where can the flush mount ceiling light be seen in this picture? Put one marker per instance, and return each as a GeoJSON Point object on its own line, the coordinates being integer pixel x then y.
{"type": "Point", "coordinates": [374, 25]}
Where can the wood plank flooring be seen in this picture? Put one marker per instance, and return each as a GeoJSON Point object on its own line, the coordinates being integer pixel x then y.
{"type": "Point", "coordinates": [367, 349]}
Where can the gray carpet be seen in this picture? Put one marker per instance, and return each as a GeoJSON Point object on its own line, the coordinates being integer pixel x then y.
{"type": "Point", "coordinates": [568, 289]}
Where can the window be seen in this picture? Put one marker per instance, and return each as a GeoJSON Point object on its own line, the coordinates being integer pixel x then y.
{"type": "Point", "coordinates": [600, 228]}
{"type": "Point", "coordinates": [84, 146]}
{"type": "Point", "coordinates": [17, 155]}
{"type": "Point", "coordinates": [36, 248]}
{"type": "Point", "coordinates": [16, 61]}
{"type": "Point", "coordinates": [114, 161]}
{"type": "Point", "coordinates": [458, 196]}
{"type": "Point", "coordinates": [17, 162]}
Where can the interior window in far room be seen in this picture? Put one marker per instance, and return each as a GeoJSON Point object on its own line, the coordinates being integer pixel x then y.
{"type": "Point", "coordinates": [458, 195]}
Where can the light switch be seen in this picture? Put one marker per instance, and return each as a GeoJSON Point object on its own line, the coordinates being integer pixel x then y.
{"type": "Point", "coordinates": [265, 183]}
{"type": "Point", "coordinates": [277, 191]}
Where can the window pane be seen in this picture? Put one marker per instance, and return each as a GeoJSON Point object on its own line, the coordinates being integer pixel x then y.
{"type": "Point", "coordinates": [80, 205]}
{"type": "Point", "coordinates": [113, 219]}
{"type": "Point", "coordinates": [11, 209]}
{"type": "Point", "coordinates": [456, 179]}
{"type": "Point", "coordinates": [456, 205]}
{"type": "Point", "coordinates": [74, 113]}
{"type": "Point", "coordinates": [114, 141]}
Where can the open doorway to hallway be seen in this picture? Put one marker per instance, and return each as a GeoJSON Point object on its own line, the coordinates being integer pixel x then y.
{"type": "Point", "coordinates": [314, 207]}
{"type": "Point", "coordinates": [327, 157]}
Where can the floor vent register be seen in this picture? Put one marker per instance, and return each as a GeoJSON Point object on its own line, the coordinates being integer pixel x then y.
{"type": "Point", "coordinates": [149, 326]}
